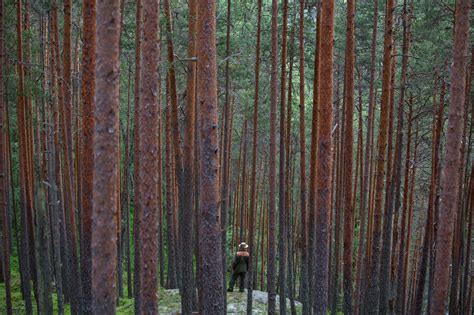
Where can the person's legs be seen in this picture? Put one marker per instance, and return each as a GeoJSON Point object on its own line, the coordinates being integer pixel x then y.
{"type": "Point", "coordinates": [233, 278]}
{"type": "Point", "coordinates": [242, 281]}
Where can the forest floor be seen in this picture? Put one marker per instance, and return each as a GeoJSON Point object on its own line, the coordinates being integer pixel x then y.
{"type": "Point", "coordinates": [169, 304]}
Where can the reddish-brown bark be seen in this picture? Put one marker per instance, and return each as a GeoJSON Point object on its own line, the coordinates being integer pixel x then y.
{"type": "Point", "coordinates": [67, 88]}
{"type": "Point", "coordinates": [387, 208]}
{"type": "Point", "coordinates": [401, 289]}
{"type": "Point", "coordinates": [313, 167]}
{"type": "Point", "coordinates": [348, 149]}
{"type": "Point", "coordinates": [136, 209]}
{"type": "Point", "coordinates": [226, 151]}
{"type": "Point", "coordinates": [373, 292]}
{"type": "Point", "coordinates": [397, 167]}
{"type": "Point", "coordinates": [5, 264]}
{"type": "Point", "coordinates": [106, 164]}
{"type": "Point", "coordinates": [148, 151]}
{"type": "Point", "coordinates": [427, 240]}
{"type": "Point", "coordinates": [186, 231]}
{"type": "Point", "coordinates": [211, 285]}
{"type": "Point", "coordinates": [86, 164]}
{"type": "Point", "coordinates": [450, 177]}
{"type": "Point", "coordinates": [253, 197]}
{"type": "Point", "coordinates": [361, 254]}
{"type": "Point", "coordinates": [324, 159]}
{"type": "Point", "coordinates": [26, 196]}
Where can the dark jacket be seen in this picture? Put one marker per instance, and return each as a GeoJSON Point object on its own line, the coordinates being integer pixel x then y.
{"type": "Point", "coordinates": [240, 263]}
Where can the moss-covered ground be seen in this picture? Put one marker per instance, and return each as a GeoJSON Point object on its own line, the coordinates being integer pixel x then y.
{"type": "Point", "coordinates": [169, 300]}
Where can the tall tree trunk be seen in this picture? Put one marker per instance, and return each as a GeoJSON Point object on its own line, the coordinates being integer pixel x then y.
{"type": "Point", "coordinates": [25, 195]}
{"type": "Point", "coordinates": [210, 235]}
{"type": "Point", "coordinates": [54, 194]}
{"type": "Point", "coordinates": [450, 177]}
{"type": "Point", "coordinates": [427, 242]}
{"type": "Point", "coordinates": [125, 193]}
{"type": "Point", "coordinates": [348, 149]}
{"type": "Point", "coordinates": [469, 182]}
{"type": "Point", "coordinates": [136, 207]}
{"type": "Point", "coordinates": [148, 151]}
{"type": "Point", "coordinates": [324, 159]}
{"type": "Point", "coordinates": [271, 265]}
{"type": "Point", "coordinates": [171, 240]}
{"type": "Point", "coordinates": [253, 198]}
{"type": "Point", "coordinates": [313, 167]}
{"type": "Point", "coordinates": [175, 133]}
{"type": "Point", "coordinates": [186, 230]}
{"type": "Point", "coordinates": [282, 228]}
{"type": "Point", "coordinates": [106, 164]}
{"type": "Point", "coordinates": [401, 289]}
{"type": "Point", "coordinates": [397, 167]}
{"type": "Point", "coordinates": [361, 260]}
{"type": "Point", "coordinates": [374, 269]}
{"type": "Point", "coordinates": [226, 154]}
{"type": "Point", "coordinates": [303, 240]}
{"type": "Point", "coordinates": [4, 170]}
{"type": "Point", "coordinates": [387, 207]}
{"type": "Point", "coordinates": [87, 166]}
{"type": "Point", "coordinates": [72, 275]}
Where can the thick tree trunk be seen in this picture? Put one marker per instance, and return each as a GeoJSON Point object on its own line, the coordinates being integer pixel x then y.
{"type": "Point", "coordinates": [324, 160]}
{"type": "Point", "coordinates": [210, 234]}
{"type": "Point", "coordinates": [450, 177]}
{"type": "Point", "coordinates": [186, 230]}
{"type": "Point", "coordinates": [136, 207]}
{"type": "Point", "coordinates": [148, 151]}
{"type": "Point", "coordinates": [106, 164]}
{"type": "Point", "coordinates": [87, 166]}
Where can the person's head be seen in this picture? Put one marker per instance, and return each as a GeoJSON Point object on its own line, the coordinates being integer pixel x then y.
{"type": "Point", "coordinates": [243, 246]}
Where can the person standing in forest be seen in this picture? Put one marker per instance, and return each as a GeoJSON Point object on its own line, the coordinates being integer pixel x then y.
{"type": "Point", "coordinates": [240, 266]}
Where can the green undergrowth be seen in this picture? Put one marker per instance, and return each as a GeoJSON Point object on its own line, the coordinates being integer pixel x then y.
{"type": "Point", "coordinates": [169, 300]}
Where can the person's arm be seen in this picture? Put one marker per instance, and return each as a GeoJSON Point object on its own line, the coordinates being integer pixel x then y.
{"type": "Point", "coordinates": [234, 262]}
